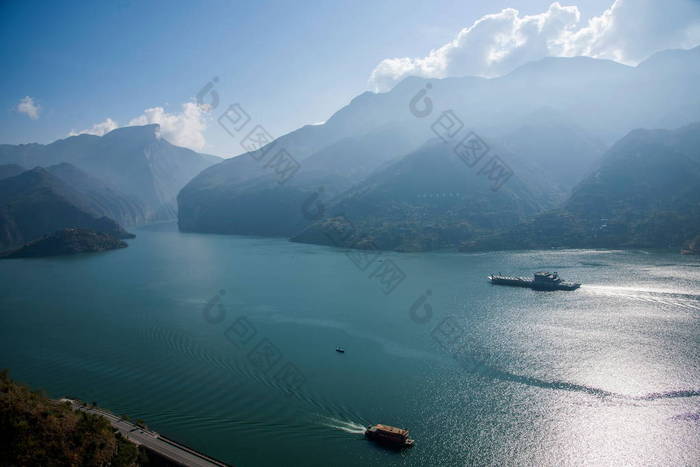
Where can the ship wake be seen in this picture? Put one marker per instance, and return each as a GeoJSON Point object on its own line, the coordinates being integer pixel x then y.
{"type": "Point", "coordinates": [670, 298]}
{"type": "Point", "coordinates": [343, 425]}
{"type": "Point", "coordinates": [491, 372]}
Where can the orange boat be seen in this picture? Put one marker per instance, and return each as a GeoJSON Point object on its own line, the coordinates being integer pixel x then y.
{"type": "Point", "coordinates": [385, 434]}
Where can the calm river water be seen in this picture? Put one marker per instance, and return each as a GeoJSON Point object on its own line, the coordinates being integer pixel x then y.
{"type": "Point", "coordinates": [605, 375]}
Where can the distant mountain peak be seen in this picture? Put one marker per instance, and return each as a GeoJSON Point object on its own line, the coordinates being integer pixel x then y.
{"type": "Point", "coordinates": [133, 160]}
{"type": "Point", "coordinates": [151, 130]}
{"type": "Point", "coordinates": [36, 172]}
{"type": "Point", "coordinates": [664, 56]}
{"type": "Point", "coordinates": [579, 64]}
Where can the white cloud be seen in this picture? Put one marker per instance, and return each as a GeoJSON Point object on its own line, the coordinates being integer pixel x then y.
{"type": "Point", "coordinates": [184, 128]}
{"type": "Point", "coordinates": [629, 31]}
{"type": "Point", "coordinates": [28, 107]}
{"type": "Point", "coordinates": [98, 129]}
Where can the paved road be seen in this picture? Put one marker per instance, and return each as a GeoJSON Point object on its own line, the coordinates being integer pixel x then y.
{"type": "Point", "coordinates": [152, 440]}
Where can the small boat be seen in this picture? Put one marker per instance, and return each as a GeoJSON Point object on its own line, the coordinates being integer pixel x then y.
{"type": "Point", "coordinates": [389, 435]}
{"type": "Point", "coordinates": [340, 350]}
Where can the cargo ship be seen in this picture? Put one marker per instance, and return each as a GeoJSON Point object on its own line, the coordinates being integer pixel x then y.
{"type": "Point", "coordinates": [540, 281]}
{"type": "Point", "coordinates": [389, 435]}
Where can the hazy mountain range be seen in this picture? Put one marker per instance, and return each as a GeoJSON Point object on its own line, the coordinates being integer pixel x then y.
{"type": "Point", "coordinates": [127, 177]}
{"type": "Point", "coordinates": [550, 155]}
{"type": "Point", "coordinates": [383, 173]}
{"type": "Point", "coordinates": [134, 161]}
{"type": "Point", "coordinates": [645, 194]}
{"type": "Point", "coordinates": [37, 202]}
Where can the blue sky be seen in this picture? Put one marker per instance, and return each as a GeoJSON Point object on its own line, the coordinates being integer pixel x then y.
{"type": "Point", "coordinates": [288, 63]}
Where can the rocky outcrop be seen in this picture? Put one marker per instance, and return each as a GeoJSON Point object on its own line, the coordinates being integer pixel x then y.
{"type": "Point", "coordinates": [68, 242]}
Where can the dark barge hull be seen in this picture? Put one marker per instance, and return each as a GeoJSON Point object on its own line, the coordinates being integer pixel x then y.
{"type": "Point", "coordinates": [529, 283]}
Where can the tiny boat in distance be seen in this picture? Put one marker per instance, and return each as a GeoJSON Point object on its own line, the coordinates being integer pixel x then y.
{"type": "Point", "coordinates": [389, 435]}
{"type": "Point", "coordinates": [340, 350]}
{"type": "Point", "coordinates": [541, 281]}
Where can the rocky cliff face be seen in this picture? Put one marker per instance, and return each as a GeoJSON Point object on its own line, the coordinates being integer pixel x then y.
{"type": "Point", "coordinates": [102, 199]}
